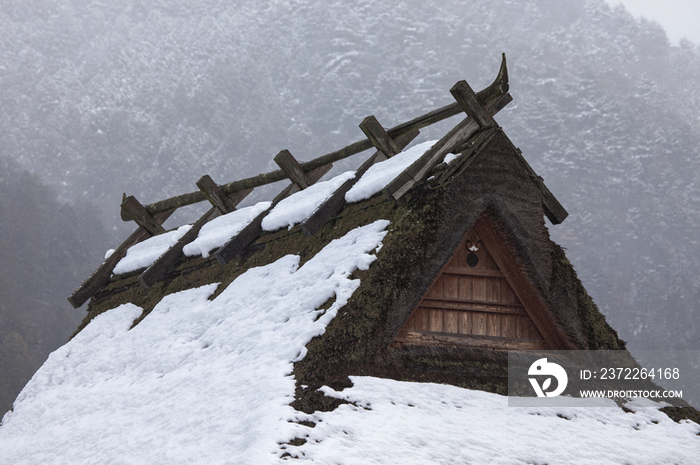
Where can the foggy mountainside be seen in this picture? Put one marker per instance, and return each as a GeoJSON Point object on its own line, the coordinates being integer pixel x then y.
{"type": "Point", "coordinates": [45, 247]}
{"type": "Point", "coordinates": [103, 97]}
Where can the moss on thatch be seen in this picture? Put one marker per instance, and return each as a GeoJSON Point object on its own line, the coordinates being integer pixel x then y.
{"type": "Point", "coordinates": [597, 333]}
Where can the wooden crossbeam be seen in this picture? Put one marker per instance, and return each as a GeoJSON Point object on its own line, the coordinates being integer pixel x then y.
{"type": "Point", "coordinates": [554, 210]}
{"type": "Point", "coordinates": [417, 171]}
{"type": "Point", "coordinates": [328, 209]}
{"type": "Point", "coordinates": [141, 216]}
{"type": "Point", "coordinates": [151, 217]}
{"type": "Point", "coordinates": [252, 231]}
{"type": "Point", "coordinates": [215, 196]}
{"type": "Point", "coordinates": [378, 136]}
{"type": "Point", "coordinates": [469, 102]}
{"type": "Point", "coordinates": [101, 276]}
{"type": "Point", "coordinates": [494, 92]}
{"type": "Point", "coordinates": [156, 271]}
{"type": "Point", "coordinates": [293, 169]}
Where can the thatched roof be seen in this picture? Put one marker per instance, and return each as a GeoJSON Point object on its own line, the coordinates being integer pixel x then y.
{"type": "Point", "coordinates": [427, 224]}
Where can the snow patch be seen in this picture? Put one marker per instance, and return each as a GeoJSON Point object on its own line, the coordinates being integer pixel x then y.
{"type": "Point", "coordinates": [382, 173]}
{"type": "Point", "coordinates": [394, 422]}
{"type": "Point", "coordinates": [218, 231]}
{"type": "Point", "coordinates": [143, 254]}
{"type": "Point", "coordinates": [295, 208]}
{"type": "Point", "coordinates": [450, 157]}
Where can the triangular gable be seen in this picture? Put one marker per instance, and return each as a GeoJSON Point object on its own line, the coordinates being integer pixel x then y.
{"type": "Point", "coordinates": [481, 299]}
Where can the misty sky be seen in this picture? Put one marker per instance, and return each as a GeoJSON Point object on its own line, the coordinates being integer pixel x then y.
{"type": "Point", "coordinates": [680, 18]}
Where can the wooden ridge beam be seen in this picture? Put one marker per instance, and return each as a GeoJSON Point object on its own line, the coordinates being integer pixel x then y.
{"type": "Point", "coordinates": [328, 209]}
{"type": "Point", "coordinates": [234, 246]}
{"type": "Point", "coordinates": [493, 93]}
{"type": "Point", "coordinates": [156, 271]}
{"type": "Point", "coordinates": [101, 276]}
{"type": "Point", "coordinates": [376, 133]}
{"type": "Point", "coordinates": [292, 169]}
{"type": "Point", "coordinates": [421, 167]}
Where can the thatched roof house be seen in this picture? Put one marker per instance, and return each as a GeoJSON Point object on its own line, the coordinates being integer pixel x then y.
{"type": "Point", "coordinates": [466, 269]}
{"type": "Point", "coordinates": [288, 328]}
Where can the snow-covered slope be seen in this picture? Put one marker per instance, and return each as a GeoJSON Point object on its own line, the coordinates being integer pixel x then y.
{"type": "Point", "coordinates": [415, 423]}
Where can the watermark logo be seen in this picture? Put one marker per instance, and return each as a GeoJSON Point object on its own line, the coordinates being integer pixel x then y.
{"type": "Point", "coordinates": [551, 370]}
{"type": "Point", "coordinates": [602, 378]}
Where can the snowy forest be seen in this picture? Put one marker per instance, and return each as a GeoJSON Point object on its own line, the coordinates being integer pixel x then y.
{"type": "Point", "coordinates": [100, 98]}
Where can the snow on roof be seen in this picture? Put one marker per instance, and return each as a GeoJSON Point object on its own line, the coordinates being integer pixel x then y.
{"type": "Point", "coordinates": [295, 208]}
{"type": "Point", "coordinates": [382, 173]}
{"type": "Point", "coordinates": [289, 212]}
{"type": "Point", "coordinates": [215, 233]}
{"type": "Point", "coordinates": [198, 380]}
{"type": "Point", "coordinates": [144, 253]}
{"type": "Point", "coordinates": [209, 381]}
{"type": "Point", "coordinates": [422, 423]}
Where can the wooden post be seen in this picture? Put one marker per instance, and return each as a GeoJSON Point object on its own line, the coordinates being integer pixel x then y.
{"type": "Point", "coordinates": [252, 231]}
{"type": "Point", "coordinates": [214, 194]}
{"type": "Point", "coordinates": [379, 137]}
{"type": "Point", "coordinates": [101, 276]}
{"type": "Point", "coordinates": [138, 213]}
{"type": "Point", "coordinates": [293, 169]}
{"type": "Point", "coordinates": [158, 268]}
{"type": "Point", "coordinates": [414, 173]}
{"type": "Point", "coordinates": [469, 102]}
